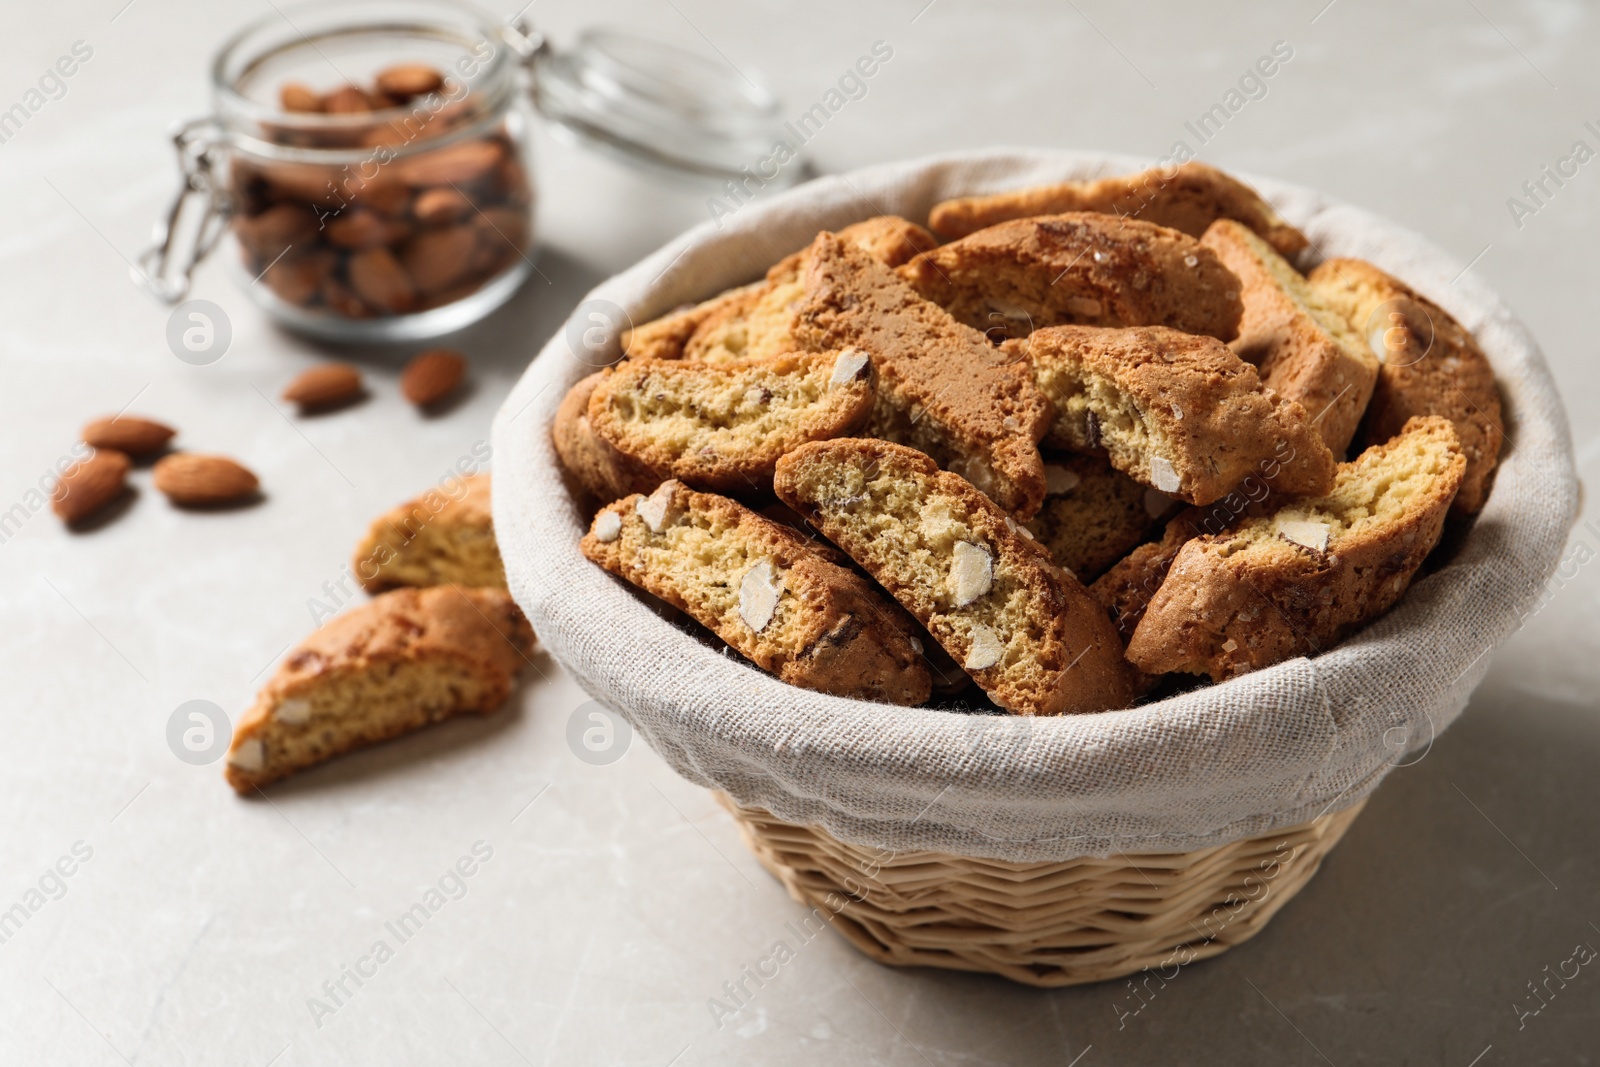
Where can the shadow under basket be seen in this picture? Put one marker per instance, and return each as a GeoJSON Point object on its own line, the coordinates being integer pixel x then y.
{"type": "Point", "coordinates": [1042, 924]}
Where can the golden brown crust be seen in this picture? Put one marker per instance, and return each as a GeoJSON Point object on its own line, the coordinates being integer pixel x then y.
{"type": "Point", "coordinates": [1187, 198]}
{"type": "Point", "coordinates": [443, 537]}
{"type": "Point", "coordinates": [889, 239]}
{"type": "Point", "coordinates": [1265, 590]}
{"type": "Point", "coordinates": [1026, 630]}
{"type": "Point", "coordinates": [1304, 347]}
{"type": "Point", "coordinates": [723, 426]}
{"type": "Point", "coordinates": [1081, 268]}
{"type": "Point", "coordinates": [752, 321]}
{"type": "Point", "coordinates": [1127, 587]}
{"type": "Point", "coordinates": [665, 337]}
{"type": "Point", "coordinates": [942, 388]}
{"type": "Point", "coordinates": [1174, 411]}
{"type": "Point", "coordinates": [406, 659]}
{"type": "Point", "coordinates": [826, 630]}
{"type": "Point", "coordinates": [601, 471]}
{"type": "Point", "coordinates": [1430, 366]}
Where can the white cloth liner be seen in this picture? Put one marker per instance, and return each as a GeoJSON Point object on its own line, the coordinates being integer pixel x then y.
{"type": "Point", "coordinates": [1265, 751]}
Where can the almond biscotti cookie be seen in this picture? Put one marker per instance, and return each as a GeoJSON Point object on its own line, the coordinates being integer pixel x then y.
{"type": "Point", "coordinates": [1305, 348]}
{"type": "Point", "coordinates": [724, 426]}
{"type": "Point", "coordinates": [943, 388]}
{"type": "Point", "coordinates": [757, 585]}
{"type": "Point", "coordinates": [664, 338]}
{"type": "Point", "coordinates": [1430, 366]}
{"type": "Point", "coordinates": [601, 471]}
{"type": "Point", "coordinates": [752, 321]}
{"type": "Point", "coordinates": [406, 659]}
{"type": "Point", "coordinates": [1128, 585]}
{"type": "Point", "coordinates": [443, 537]}
{"type": "Point", "coordinates": [1174, 411]}
{"type": "Point", "coordinates": [1298, 579]}
{"type": "Point", "coordinates": [1093, 514]}
{"type": "Point", "coordinates": [1187, 198]}
{"type": "Point", "coordinates": [1026, 631]}
{"type": "Point", "coordinates": [760, 323]}
{"type": "Point", "coordinates": [1082, 268]}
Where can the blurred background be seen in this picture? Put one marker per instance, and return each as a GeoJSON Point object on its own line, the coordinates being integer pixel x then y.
{"type": "Point", "coordinates": [619, 898]}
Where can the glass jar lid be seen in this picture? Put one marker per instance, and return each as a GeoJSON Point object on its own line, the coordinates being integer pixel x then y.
{"type": "Point", "coordinates": [658, 105]}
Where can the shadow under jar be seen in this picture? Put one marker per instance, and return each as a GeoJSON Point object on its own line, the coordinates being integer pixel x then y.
{"type": "Point", "coordinates": [370, 162]}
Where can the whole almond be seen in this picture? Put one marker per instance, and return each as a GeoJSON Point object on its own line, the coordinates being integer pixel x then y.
{"type": "Point", "coordinates": [432, 375]}
{"type": "Point", "coordinates": [438, 259]}
{"type": "Point", "coordinates": [442, 204]}
{"type": "Point", "coordinates": [346, 100]}
{"type": "Point", "coordinates": [89, 485]}
{"type": "Point", "coordinates": [128, 433]}
{"type": "Point", "coordinates": [380, 280]}
{"type": "Point", "coordinates": [408, 80]}
{"type": "Point", "coordinates": [324, 386]}
{"type": "Point", "coordinates": [192, 480]}
{"type": "Point", "coordinates": [294, 96]}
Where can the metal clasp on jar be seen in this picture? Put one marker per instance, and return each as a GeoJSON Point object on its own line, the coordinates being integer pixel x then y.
{"type": "Point", "coordinates": [194, 223]}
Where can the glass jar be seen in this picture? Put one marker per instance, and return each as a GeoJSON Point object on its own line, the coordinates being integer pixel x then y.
{"type": "Point", "coordinates": [368, 162]}
{"type": "Point", "coordinates": [368, 159]}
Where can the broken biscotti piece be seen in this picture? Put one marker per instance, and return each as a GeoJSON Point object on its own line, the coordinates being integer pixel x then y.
{"type": "Point", "coordinates": [1174, 411]}
{"type": "Point", "coordinates": [1026, 631]}
{"type": "Point", "coordinates": [406, 659]}
{"type": "Point", "coordinates": [943, 388]}
{"type": "Point", "coordinates": [1298, 579]}
{"type": "Point", "coordinates": [1084, 268]}
{"type": "Point", "coordinates": [1187, 198]}
{"type": "Point", "coordinates": [1304, 347]}
{"type": "Point", "coordinates": [443, 537]}
{"type": "Point", "coordinates": [601, 471]}
{"type": "Point", "coordinates": [753, 321]}
{"type": "Point", "coordinates": [759, 586]}
{"type": "Point", "coordinates": [1430, 366]}
{"type": "Point", "coordinates": [724, 426]}
{"type": "Point", "coordinates": [1093, 514]}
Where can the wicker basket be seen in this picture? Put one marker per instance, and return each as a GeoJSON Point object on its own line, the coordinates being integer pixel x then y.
{"type": "Point", "coordinates": [1216, 805]}
{"type": "Point", "coordinates": [1042, 924]}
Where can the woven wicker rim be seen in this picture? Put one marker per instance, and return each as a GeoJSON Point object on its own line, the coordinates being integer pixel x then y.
{"type": "Point", "coordinates": [1041, 924]}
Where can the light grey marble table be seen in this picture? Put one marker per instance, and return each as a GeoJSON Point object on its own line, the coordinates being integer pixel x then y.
{"type": "Point", "coordinates": [615, 901]}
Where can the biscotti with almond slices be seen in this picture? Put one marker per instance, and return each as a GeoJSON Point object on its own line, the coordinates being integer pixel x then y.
{"type": "Point", "coordinates": [1298, 578]}
{"type": "Point", "coordinates": [753, 321]}
{"type": "Point", "coordinates": [443, 537]}
{"type": "Point", "coordinates": [1024, 629]}
{"type": "Point", "coordinates": [1174, 411]}
{"type": "Point", "coordinates": [601, 471]}
{"type": "Point", "coordinates": [723, 426]}
{"type": "Point", "coordinates": [1084, 269]}
{"type": "Point", "coordinates": [406, 659]}
{"type": "Point", "coordinates": [1188, 198]}
{"type": "Point", "coordinates": [756, 584]}
{"type": "Point", "coordinates": [1304, 347]}
{"type": "Point", "coordinates": [943, 389]}
{"type": "Point", "coordinates": [1431, 366]}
